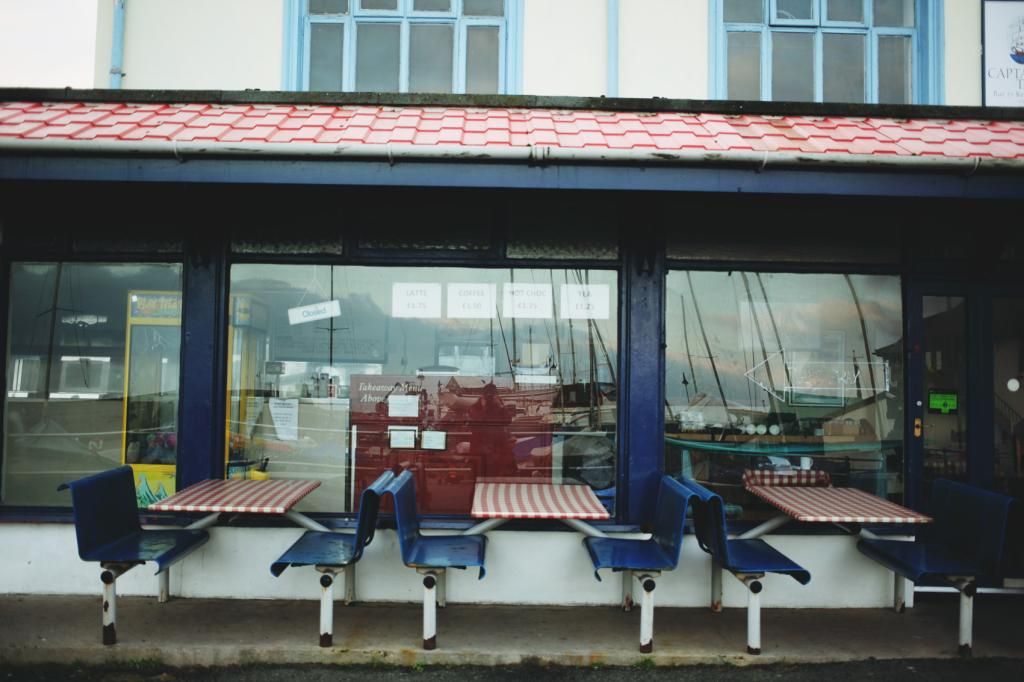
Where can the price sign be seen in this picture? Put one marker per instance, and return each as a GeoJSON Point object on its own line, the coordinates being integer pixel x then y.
{"type": "Point", "coordinates": [585, 302]}
{"type": "Point", "coordinates": [472, 301]}
{"type": "Point", "coordinates": [527, 301]}
{"type": "Point", "coordinates": [415, 299]}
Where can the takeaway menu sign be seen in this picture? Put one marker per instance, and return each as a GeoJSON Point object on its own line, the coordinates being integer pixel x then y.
{"type": "Point", "coordinates": [1003, 41]}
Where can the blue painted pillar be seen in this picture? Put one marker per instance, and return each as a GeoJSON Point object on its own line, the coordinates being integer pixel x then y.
{"type": "Point", "coordinates": [642, 409]}
{"type": "Point", "coordinates": [117, 46]}
{"type": "Point", "coordinates": [203, 367]}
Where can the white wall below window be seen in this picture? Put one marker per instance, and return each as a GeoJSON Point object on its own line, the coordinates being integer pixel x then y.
{"type": "Point", "coordinates": [50, 43]}
{"type": "Point", "coordinates": [663, 49]}
{"type": "Point", "coordinates": [963, 53]}
{"type": "Point", "coordinates": [197, 44]}
{"type": "Point", "coordinates": [546, 568]}
{"type": "Point", "coordinates": [565, 47]}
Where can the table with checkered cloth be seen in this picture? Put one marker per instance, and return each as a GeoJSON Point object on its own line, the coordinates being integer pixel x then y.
{"type": "Point", "coordinates": [834, 505]}
{"type": "Point", "coordinates": [523, 499]}
{"type": "Point", "coordinates": [797, 477]}
{"type": "Point", "coordinates": [272, 496]}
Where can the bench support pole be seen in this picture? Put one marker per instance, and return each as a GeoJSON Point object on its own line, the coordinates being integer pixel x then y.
{"type": "Point", "coordinates": [430, 579]}
{"type": "Point", "coordinates": [716, 587]}
{"type": "Point", "coordinates": [164, 586]}
{"type": "Point", "coordinates": [647, 612]}
{"type": "Point", "coordinates": [349, 574]}
{"type": "Point", "coordinates": [327, 606]}
{"type": "Point", "coordinates": [754, 588]}
{"type": "Point", "coordinates": [108, 577]}
{"type": "Point", "coordinates": [627, 590]}
{"type": "Point", "coordinates": [899, 593]}
{"type": "Point", "coordinates": [968, 589]}
{"type": "Point", "coordinates": [442, 589]}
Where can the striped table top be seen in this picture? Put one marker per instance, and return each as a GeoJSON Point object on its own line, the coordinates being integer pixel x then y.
{"type": "Point", "coordinates": [512, 499]}
{"type": "Point", "coordinates": [835, 505]}
{"type": "Point", "coordinates": [273, 496]}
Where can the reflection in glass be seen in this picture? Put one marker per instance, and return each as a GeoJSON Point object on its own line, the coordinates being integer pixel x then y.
{"type": "Point", "coordinates": [92, 377]}
{"type": "Point", "coordinates": [783, 372]}
{"type": "Point", "coordinates": [894, 70]}
{"type": "Point", "coordinates": [326, 50]}
{"type": "Point", "coordinates": [945, 389]}
{"type": "Point", "coordinates": [482, 60]}
{"type": "Point", "coordinates": [483, 8]}
{"type": "Point", "coordinates": [328, 6]}
{"type": "Point", "coordinates": [744, 66]}
{"type": "Point", "coordinates": [432, 5]}
{"type": "Point", "coordinates": [844, 67]}
{"type": "Point", "coordinates": [743, 11]}
{"type": "Point", "coordinates": [1008, 367]}
{"type": "Point", "coordinates": [377, 57]}
{"type": "Point", "coordinates": [846, 10]}
{"type": "Point", "coordinates": [795, 10]}
{"type": "Point", "coordinates": [896, 13]}
{"type": "Point", "coordinates": [390, 5]}
{"type": "Point", "coordinates": [430, 57]}
{"type": "Point", "coordinates": [459, 373]}
{"type": "Point", "coordinates": [792, 67]}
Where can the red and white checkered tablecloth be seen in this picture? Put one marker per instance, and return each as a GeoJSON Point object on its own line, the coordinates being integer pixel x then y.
{"type": "Point", "coordinates": [504, 499]}
{"type": "Point", "coordinates": [274, 496]}
{"type": "Point", "coordinates": [835, 505]}
{"type": "Point", "coordinates": [810, 477]}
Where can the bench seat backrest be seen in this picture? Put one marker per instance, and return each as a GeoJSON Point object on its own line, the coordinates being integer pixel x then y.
{"type": "Point", "coordinates": [709, 522]}
{"type": "Point", "coordinates": [369, 506]}
{"type": "Point", "coordinates": [105, 508]}
{"type": "Point", "coordinates": [670, 516]}
{"type": "Point", "coordinates": [403, 490]}
{"type": "Point", "coordinates": [971, 521]}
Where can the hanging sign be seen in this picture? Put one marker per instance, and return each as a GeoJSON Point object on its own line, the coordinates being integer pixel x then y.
{"type": "Point", "coordinates": [531, 301]}
{"type": "Point", "coordinates": [317, 311]}
{"type": "Point", "coordinates": [1003, 45]}
{"type": "Point", "coordinates": [585, 302]}
{"type": "Point", "coordinates": [416, 299]}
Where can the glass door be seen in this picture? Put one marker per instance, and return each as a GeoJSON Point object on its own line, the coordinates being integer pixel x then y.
{"type": "Point", "coordinates": [1007, 349]}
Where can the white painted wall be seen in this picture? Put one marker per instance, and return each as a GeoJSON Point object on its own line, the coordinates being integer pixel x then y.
{"type": "Point", "coordinates": [197, 44]}
{"type": "Point", "coordinates": [522, 568]}
{"type": "Point", "coordinates": [963, 52]}
{"type": "Point", "coordinates": [663, 48]}
{"type": "Point", "coordinates": [565, 47]}
{"type": "Point", "coordinates": [48, 43]}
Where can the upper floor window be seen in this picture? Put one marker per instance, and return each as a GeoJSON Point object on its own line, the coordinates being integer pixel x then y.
{"type": "Point", "coordinates": [823, 50]}
{"type": "Point", "coordinates": [457, 46]}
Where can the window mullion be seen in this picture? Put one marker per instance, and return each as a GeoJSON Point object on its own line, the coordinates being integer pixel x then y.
{"type": "Point", "coordinates": [403, 57]}
{"type": "Point", "coordinates": [459, 57]}
{"type": "Point", "coordinates": [819, 66]}
{"type": "Point", "coordinates": [766, 64]}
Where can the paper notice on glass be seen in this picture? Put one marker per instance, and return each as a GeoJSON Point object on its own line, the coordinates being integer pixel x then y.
{"type": "Point", "coordinates": [531, 301]}
{"type": "Point", "coordinates": [585, 302]}
{"type": "Point", "coordinates": [314, 312]}
{"type": "Point", "coordinates": [472, 301]}
{"type": "Point", "coordinates": [285, 415]}
{"type": "Point", "coordinates": [403, 406]}
{"type": "Point", "coordinates": [433, 440]}
{"type": "Point", "coordinates": [402, 438]}
{"type": "Point", "coordinates": [415, 299]}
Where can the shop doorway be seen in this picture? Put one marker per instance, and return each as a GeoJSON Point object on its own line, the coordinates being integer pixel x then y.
{"type": "Point", "coordinates": [966, 393]}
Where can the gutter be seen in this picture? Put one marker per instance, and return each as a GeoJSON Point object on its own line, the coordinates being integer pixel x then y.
{"type": "Point", "coordinates": [530, 155]}
{"type": "Point", "coordinates": [117, 46]}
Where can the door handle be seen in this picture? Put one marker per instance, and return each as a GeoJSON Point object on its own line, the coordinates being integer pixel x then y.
{"type": "Point", "coordinates": [918, 427]}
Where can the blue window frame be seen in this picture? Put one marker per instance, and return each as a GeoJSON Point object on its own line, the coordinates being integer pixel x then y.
{"type": "Point", "coordinates": [456, 46]}
{"type": "Point", "coordinates": [862, 51]}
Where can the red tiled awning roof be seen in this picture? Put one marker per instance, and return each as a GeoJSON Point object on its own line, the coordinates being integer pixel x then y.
{"type": "Point", "coordinates": [488, 132]}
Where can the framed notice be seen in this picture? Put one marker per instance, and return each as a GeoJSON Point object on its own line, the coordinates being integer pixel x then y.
{"type": "Point", "coordinates": [1002, 29]}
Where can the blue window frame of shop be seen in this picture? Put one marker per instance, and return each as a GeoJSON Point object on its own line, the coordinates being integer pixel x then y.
{"type": "Point", "coordinates": [345, 19]}
{"type": "Point", "coordinates": [769, 20]}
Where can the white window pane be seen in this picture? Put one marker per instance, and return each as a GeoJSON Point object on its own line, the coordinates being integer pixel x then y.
{"type": "Point", "coordinates": [379, 4]}
{"type": "Point", "coordinates": [794, 9]}
{"type": "Point", "coordinates": [328, 6]}
{"type": "Point", "coordinates": [377, 57]}
{"type": "Point", "coordinates": [894, 70]}
{"type": "Point", "coordinates": [745, 11]}
{"type": "Point", "coordinates": [430, 57]}
{"type": "Point", "coordinates": [432, 5]}
{"type": "Point", "coordinates": [846, 10]}
{"type": "Point", "coordinates": [483, 8]}
{"type": "Point", "coordinates": [482, 62]}
{"type": "Point", "coordinates": [744, 66]}
{"type": "Point", "coordinates": [326, 47]}
{"type": "Point", "coordinates": [899, 13]}
{"type": "Point", "coordinates": [793, 67]}
{"type": "Point", "coordinates": [844, 67]}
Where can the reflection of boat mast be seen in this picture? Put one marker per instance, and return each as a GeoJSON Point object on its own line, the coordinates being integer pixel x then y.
{"type": "Point", "coordinates": [515, 349]}
{"type": "Point", "coordinates": [707, 346]}
{"type": "Point", "coordinates": [558, 354]}
{"type": "Point", "coordinates": [778, 338]}
{"type": "Point", "coordinates": [53, 330]}
{"type": "Point", "coordinates": [867, 351]}
{"type": "Point", "coordinates": [689, 356]}
{"type": "Point", "coordinates": [572, 340]}
{"type": "Point", "coordinates": [764, 352]}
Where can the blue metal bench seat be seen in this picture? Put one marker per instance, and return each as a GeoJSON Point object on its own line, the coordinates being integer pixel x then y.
{"type": "Point", "coordinates": [107, 529]}
{"type": "Point", "coordinates": [748, 560]}
{"type": "Point", "coordinates": [430, 555]}
{"type": "Point", "coordinates": [646, 558]}
{"type": "Point", "coordinates": [965, 542]}
{"type": "Point", "coordinates": [331, 553]}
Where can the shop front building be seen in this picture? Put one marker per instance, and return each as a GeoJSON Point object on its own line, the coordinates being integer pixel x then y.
{"type": "Point", "coordinates": [572, 291]}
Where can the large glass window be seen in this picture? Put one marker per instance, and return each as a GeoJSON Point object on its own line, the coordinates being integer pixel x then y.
{"type": "Point", "coordinates": [820, 50]}
{"type": "Point", "coordinates": [454, 46]}
{"type": "Point", "coordinates": [92, 377]}
{"type": "Point", "coordinates": [784, 372]}
{"type": "Point", "coordinates": [339, 372]}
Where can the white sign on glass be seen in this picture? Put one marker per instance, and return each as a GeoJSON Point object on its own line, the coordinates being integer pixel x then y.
{"type": "Point", "coordinates": [416, 299]}
{"type": "Point", "coordinates": [402, 438]}
{"type": "Point", "coordinates": [585, 302]}
{"type": "Point", "coordinates": [472, 301]}
{"type": "Point", "coordinates": [1003, 44]}
{"type": "Point", "coordinates": [314, 312]}
{"type": "Point", "coordinates": [285, 415]}
{"type": "Point", "coordinates": [433, 440]}
{"type": "Point", "coordinates": [530, 301]}
{"type": "Point", "coordinates": [403, 406]}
